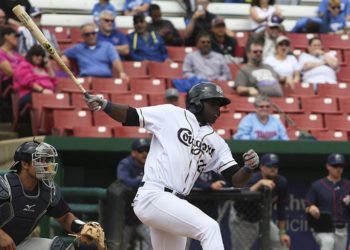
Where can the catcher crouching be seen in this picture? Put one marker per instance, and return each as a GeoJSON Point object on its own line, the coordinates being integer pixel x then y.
{"type": "Point", "coordinates": [27, 193]}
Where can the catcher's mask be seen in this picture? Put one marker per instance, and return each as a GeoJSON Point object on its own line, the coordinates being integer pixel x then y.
{"type": "Point", "coordinates": [204, 91]}
{"type": "Point", "coordinates": [42, 156]}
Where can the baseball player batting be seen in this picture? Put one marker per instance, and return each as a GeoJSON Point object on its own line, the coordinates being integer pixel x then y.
{"type": "Point", "coordinates": [183, 146]}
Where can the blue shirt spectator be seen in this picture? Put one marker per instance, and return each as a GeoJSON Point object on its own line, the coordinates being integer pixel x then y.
{"type": "Point", "coordinates": [134, 7]}
{"type": "Point", "coordinates": [344, 7]}
{"type": "Point", "coordinates": [146, 45]}
{"type": "Point", "coordinates": [334, 19]}
{"type": "Point", "coordinates": [261, 125]}
{"type": "Point", "coordinates": [101, 6]}
{"type": "Point", "coordinates": [130, 172]}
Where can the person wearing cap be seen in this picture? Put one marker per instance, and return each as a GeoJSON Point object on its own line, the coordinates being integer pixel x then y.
{"type": "Point", "coordinates": [94, 58]}
{"type": "Point", "coordinates": [130, 171]}
{"type": "Point", "coordinates": [255, 77]}
{"type": "Point", "coordinates": [221, 42]}
{"type": "Point", "coordinates": [331, 194]}
{"type": "Point", "coordinates": [285, 64]}
{"type": "Point", "coordinates": [204, 63]}
{"type": "Point", "coordinates": [260, 11]}
{"type": "Point", "coordinates": [146, 45]}
{"type": "Point", "coordinates": [164, 27]}
{"type": "Point", "coordinates": [261, 124]}
{"type": "Point", "coordinates": [27, 40]}
{"type": "Point", "coordinates": [318, 66]}
{"type": "Point", "coordinates": [108, 33]}
{"type": "Point", "coordinates": [172, 96]}
{"type": "Point", "coordinates": [244, 219]}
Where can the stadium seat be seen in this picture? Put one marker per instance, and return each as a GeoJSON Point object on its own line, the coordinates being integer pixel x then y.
{"type": "Point", "coordinates": [229, 120]}
{"type": "Point", "coordinates": [165, 70]}
{"type": "Point", "coordinates": [109, 85]}
{"type": "Point", "coordinates": [136, 69]}
{"type": "Point", "coordinates": [343, 75]}
{"type": "Point", "coordinates": [242, 104]}
{"type": "Point", "coordinates": [293, 134]}
{"type": "Point", "coordinates": [234, 68]}
{"type": "Point", "coordinates": [147, 86]}
{"type": "Point", "coordinates": [346, 56]}
{"type": "Point", "coordinates": [78, 100]}
{"type": "Point", "coordinates": [299, 40]}
{"type": "Point", "coordinates": [225, 133]}
{"type": "Point", "coordinates": [65, 84]}
{"type": "Point", "coordinates": [336, 41]}
{"type": "Point", "coordinates": [134, 100]}
{"type": "Point", "coordinates": [130, 132]}
{"type": "Point", "coordinates": [157, 99]}
{"type": "Point", "coordinates": [65, 120]}
{"type": "Point", "coordinates": [62, 34]}
{"type": "Point", "coordinates": [344, 105]}
{"type": "Point", "coordinates": [300, 90]}
{"type": "Point", "coordinates": [334, 90]}
{"type": "Point", "coordinates": [323, 105]}
{"type": "Point", "coordinates": [337, 122]}
{"type": "Point", "coordinates": [307, 121]}
{"type": "Point", "coordinates": [286, 104]}
{"type": "Point", "coordinates": [96, 132]}
{"type": "Point", "coordinates": [227, 86]}
{"type": "Point", "coordinates": [178, 54]}
{"type": "Point", "coordinates": [102, 119]}
{"type": "Point", "coordinates": [330, 135]}
{"type": "Point", "coordinates": [41, 101]}
{"type": "Point", "coordinates": [75, 35]}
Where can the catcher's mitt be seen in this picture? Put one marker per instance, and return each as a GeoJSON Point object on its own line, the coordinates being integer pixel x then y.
{"type": "Point", "coordinates": [92, 231]}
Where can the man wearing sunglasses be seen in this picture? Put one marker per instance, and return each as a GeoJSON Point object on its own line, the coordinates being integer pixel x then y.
{"type": "Point", "coordinates": [95, 58]}
{"type": "Point", "coordinates": [130, 171]}
{"type": "Point", "coordinates": [245, 218]}
{"type": "Point", "coordinates": [334, 19]}
{"type": "Point", "coordinates": [331, 195]}
{"type": "Point", "coordinates": [344, 7]}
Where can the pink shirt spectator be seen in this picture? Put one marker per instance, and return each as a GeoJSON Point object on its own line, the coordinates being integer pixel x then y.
{"type": "Point", "coordinates": [14, 60]}
{"type": "Point", "coordinates": [26, 75]}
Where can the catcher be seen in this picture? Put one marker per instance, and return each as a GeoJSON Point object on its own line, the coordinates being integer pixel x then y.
{"type": "Point", "coordinates": [27, 193]}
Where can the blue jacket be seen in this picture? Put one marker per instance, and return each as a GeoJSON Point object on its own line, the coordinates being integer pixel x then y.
{"type": "Point", "coordinates": [129, 172]}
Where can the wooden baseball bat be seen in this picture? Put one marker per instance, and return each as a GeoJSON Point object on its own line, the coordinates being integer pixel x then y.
{"type": "Point", "coordinates": [27, 21]}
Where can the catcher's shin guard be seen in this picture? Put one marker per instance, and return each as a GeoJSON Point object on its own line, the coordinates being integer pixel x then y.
{"type": "Point", "coordinates": [59, 244]}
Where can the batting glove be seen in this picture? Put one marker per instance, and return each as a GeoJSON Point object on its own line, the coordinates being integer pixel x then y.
{"type": "Point", "coordinates": [96, 103]}
{"type": "Point", "coordinates": [251, 159]}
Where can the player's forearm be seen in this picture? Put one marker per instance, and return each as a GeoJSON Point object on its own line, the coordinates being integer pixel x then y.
{"type": "Point", "coordinates": [241, 177]}
{"type": "Point", "coordinates": [123, 49]}
{"type": "Point", "coordinates": [66, 221]}
{"type": "Point", "coordinates": [117, 111]}
{"type": "Point", "coordinates": [281, 224]}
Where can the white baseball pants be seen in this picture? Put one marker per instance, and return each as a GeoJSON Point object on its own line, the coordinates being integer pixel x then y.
{"type": "Point", "coordinates": [172, 219]}
{"type": "Point", "coordinates": [332, 241]}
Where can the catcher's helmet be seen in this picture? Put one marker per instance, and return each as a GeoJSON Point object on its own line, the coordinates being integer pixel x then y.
{"type": "Point", "coordinates": [25, 151]}
{"type": "Point", "coordinates": [204, 91]}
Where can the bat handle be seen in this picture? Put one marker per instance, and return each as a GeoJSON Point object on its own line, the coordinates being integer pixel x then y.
{"type": "Point", "coordinates": [87, 95]}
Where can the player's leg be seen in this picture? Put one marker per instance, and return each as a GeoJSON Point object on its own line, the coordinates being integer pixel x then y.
{"type": "Point", "coordinates": [276, 244]}
{"type": "Point", "coordinates": [36, 243]}
{"type": "Point", "coordinates": [341, 238]}
{"type": "Point", "coordinates": [165, 240]}
{"type": "Point", "coordinates": [325, 240]}
{"type": "Point", "coordinates": [166, 212]}
{"type": "Point", "coordinates": [145, 234]}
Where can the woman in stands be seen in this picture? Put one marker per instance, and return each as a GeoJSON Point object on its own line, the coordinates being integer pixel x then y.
{"type": "Point", "coordinates": [34, 75]}
{"type": "Point", "coordinates": [260, 11]}
{"type": "Point", "coordinates": [286, 65]}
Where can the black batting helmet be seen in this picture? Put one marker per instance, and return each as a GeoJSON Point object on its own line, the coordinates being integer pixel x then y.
{"type": "Point", "coordinates": [204, 91]}
{"type": "Point", "coordinates": [24, 153]}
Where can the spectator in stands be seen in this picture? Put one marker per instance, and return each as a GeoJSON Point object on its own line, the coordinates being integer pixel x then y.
{"type": "Point", "coordinates": [261, 124]}
{"type": "Point", "coordinates": [101, 6]}
{"type": "Point", "coordinates": [7, 7]}
{"type": "Point", "coordinates": [172, 96]}
{"type": "Point", "coordinates": [285, 64]}
{"type": "Point", "coordinates": [135, 7]}
{"type": "Point", "coordinates": [26, 40]}
{"type": "Point", "coordinates": [95, 58]}
{"type": "Point", "coordinates": [246, 216]}
{"type": "Point", "coordinates": [221, 42]}
{"type": "Point", "coordinates": [205, 63]}
{"type": "Point", "coordinates": [256, 77]}
{"type": "Point", "coordinates": [130, 171]}
{"type": "Point", "coordinates": [35, 74]}
{"type": "Point", "coordinates": [146, 45]}
{"type": "Point", "coordinates": [165, 28]}
{"type": "Point", "coordinates": [4, 21]}
{"type": "Point", "coordinates": [200, 21]}
{"type": "Point", "coordinates": [317, 66]}
{"type": "Point", "coordinates": [9, 58]}
{"type": "Point", "coordinates": [333, 19]}
{"type": "Point", "coordinates": [108, 33]}
{"type": "Point", "coordinates": [260, 11]}
{"type": "Point", "coordinates": [344, 7]}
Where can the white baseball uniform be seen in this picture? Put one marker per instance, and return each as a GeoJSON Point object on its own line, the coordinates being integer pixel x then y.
{"type": "Point", "coordinates": [180, 150]}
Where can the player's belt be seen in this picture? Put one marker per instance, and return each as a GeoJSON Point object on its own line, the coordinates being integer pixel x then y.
{"type": "Point", "coordinates": [169, 190]}
{"type": "Point", "coordinates": [339, 225]}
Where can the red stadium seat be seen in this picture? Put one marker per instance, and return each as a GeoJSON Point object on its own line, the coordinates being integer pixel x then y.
{"type": "Point", "coordinates": [227, 86]}
{"type": "Point", "coordinates": [234, 68]}
{"type": "Point", "coordinates": [165, 70]}
{"type": "Point", "coordinates": [147, 86]}
{"type": "Point", "coordinates": [75, 35]}
{"type": "Point", "coordinates": [324, 105]}
{"type": "Point", "coordinates": [225, 133]}
{"type": "Point", "coordinates": [102, 119]}
{"type": "Point", "coordinates": [62, 34]}
{"type": "Point", "coordinates": [286, 104]}
{"type": "Point", "coordinates": [130, 132]}
{"type": "Point", "coordinates": [293, 134]}
{"type": "Point", "coordinates": [41, 101]}
{"type": "Point", "coordinates": [343, 75]}
{"type": "Point", "coordinates": [242, 104]}
{"type": "Point", "coordinates": [334, 90]}
{"type": "Point", "coordinates": [67, 119]}
{"type": "Point", "coordinates": [96, 132]}
{"type": "Point", "coordinates": [134, 100]}
{"type": "Point", "coordinates": [298, 40]}
{"type": "Point", "coordinates": [344, 105]}
{"type": "Point", "coordinates": [178, 54]}
{"type": "Point", "coordinates": [307, 121]}
{"type": "Point", "coordinates": [136, 69]}
{"type": "Point", "coordinates": [300, 90]}
{"type": "Point", "coordinates": [78, 100]}
{"type": "Point", "coordinates": [157, 99]}
{"type": "Point", "coordinates": [337, 122]}
{"type": "Point", "coordinates": [228, 120]}
{"type": "Point", "coordinates": [336, 41]}
{"type": "Point", "coordinates": [109, 85]}
{"type": "Point", "coordinates": [346, 55]}
{"type": "Point", "coordinates": [330, 135]}
{"type": "Point", "coordinates": [65, 84]}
